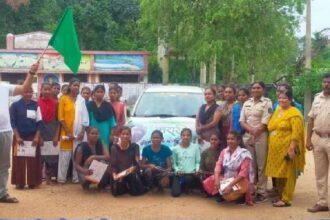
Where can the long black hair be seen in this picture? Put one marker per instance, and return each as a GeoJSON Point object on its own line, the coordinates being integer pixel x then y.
{"type": "Point", "coordinates": [260, 83]}
{"type": "Point", "coordinates": [288, 92]}
{"type": "Point", "coordinates": [72, 80]}
{"type": "Point", "coordinates": [43, 85]}
{"type": "Point", "coordinates": [100, 86]}
{"type": "Point", "coordinates": [245, 90]}
{"type": "Point", "coordinates": [159, 133]}
{"type": "Point", "coordinates": [238, 137]}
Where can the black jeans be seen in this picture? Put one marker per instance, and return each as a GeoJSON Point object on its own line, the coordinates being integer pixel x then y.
{"type": "Point", "coordinates": [153, 178]}
{"type": "Point", "coordinates": [184, 182]}
{"type": "Point", "coordinates": [131, 184]}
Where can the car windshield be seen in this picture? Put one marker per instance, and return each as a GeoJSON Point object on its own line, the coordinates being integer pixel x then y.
{"type": "Point", "coordinates": [169, 104]}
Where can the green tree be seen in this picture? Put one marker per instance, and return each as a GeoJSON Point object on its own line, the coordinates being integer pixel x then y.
{"type": "Point", "coordinates": [248, 36]}
{"type": "Point", "coordinates": [101, 24]}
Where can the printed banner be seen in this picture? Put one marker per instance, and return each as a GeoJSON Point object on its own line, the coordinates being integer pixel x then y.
{"type": "Point", "coordinates": [17, 60]}
{"type": "Point", "coordinates": [119, 62]}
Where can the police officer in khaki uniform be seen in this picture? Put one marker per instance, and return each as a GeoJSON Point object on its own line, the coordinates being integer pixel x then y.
{"type": "Point", "coordinates": [318, 139]}
{"type": "Point", "coordinates": [254, 117]}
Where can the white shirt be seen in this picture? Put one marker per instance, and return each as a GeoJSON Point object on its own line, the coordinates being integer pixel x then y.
{"type": "Point", "coordinates": [6, 90]}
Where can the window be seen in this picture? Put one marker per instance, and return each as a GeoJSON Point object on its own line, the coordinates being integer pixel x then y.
{"type": "Point", "coordinates": [81, 77]}
{"type": "Point", "coordinates": [106, 78]}
{"type": "Point", "coordinates": [15, 78]}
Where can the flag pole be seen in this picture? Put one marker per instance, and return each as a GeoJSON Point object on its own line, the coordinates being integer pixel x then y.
{"type": "Point", "coordinates": [43, 52]}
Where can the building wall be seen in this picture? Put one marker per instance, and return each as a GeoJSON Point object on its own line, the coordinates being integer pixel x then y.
{"type": "Point", "coordinates": [96, 66]}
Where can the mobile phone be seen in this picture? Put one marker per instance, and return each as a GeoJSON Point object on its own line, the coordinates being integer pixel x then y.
{"type": "Point", "coordinates": [287, 157]}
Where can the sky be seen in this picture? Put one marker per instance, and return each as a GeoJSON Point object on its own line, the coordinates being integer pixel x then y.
{"type": "Point", "coordinates": [320, 17]}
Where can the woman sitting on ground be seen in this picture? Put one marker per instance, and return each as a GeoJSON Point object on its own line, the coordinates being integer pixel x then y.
{"type": "Point", "coordinates": [125, 171]}
{"type": "Point", "coordinates": [234, 162]}
{"type": "Point", "coordinates": [210, 156]}
{"type": "Point", "coordinates": [156, 162]}
{"type": "Point", "coordinates": [88, 151]}
{"type": "Point", "coordinates": [186, 161]}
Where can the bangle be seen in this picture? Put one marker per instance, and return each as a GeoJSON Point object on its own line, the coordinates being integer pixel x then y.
{"type": "Point", "coordinates": [31, 73]}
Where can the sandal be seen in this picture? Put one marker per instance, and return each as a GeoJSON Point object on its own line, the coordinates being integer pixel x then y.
{"type": "Point", "coordinates": [7, 199]}
{"type": "Point", "coordinates": [275, 200]}
{"type": "Point", "coordinates": [281, 203]}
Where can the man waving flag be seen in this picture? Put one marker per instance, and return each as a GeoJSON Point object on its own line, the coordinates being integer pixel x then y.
{"type": "Point", "coordinates": [65, 41]}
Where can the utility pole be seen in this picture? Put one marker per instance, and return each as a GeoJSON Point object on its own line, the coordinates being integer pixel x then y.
{"type": "Point", "coordinates": [308, 58]}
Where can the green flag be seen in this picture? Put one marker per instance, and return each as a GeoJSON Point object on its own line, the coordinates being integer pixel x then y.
{"type": "Point", "coordinates": [65, 41]}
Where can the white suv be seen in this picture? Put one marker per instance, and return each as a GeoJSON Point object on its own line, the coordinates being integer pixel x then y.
{"type": "Point", "coordinates": [165, 108]}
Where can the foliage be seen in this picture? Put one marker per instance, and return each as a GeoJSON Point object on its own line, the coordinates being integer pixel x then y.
{"type": "Point", "coordinates": [15, 4]}
{"type": "Point", "coordinates": [247, 36]}
{"type": "Point", "coordinates": [101, 24]}
{"type": "Point", "coordinates": [313, 80]}
{"type": "Point", "coordinates": [259, 34]}
{"type": "Point", "coordinates": [155, 73]}
{"type": "Point", "coordinates": [320, 65]}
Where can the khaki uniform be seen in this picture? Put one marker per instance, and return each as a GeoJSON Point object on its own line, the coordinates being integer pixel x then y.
{"type": "Point", "coordinates": [255, 114]}
{"type": "Point", "coordinates": [320, 112]}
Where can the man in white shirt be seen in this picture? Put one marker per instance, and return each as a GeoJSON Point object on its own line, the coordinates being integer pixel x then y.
{"type": "Point", "coordinates": [7, 90]}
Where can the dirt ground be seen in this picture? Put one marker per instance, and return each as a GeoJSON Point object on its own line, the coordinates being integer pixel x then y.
{"type": "Point", "coordinates": [70, 201]}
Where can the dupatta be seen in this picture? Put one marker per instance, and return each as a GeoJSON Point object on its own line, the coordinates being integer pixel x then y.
{"type": "Point", "coordinates": [274, 123]}
{"type": "Point", "coordinates": [232, 163]}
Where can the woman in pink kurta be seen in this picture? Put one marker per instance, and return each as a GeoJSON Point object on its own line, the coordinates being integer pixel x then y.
{"type": "Point", "coordinates": [120, 108]}
{"type": "Point", "coordinates": [234, 162]}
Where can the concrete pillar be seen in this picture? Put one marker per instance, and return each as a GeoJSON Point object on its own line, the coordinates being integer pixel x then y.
{"type": "Point", "coordinates": [10, 41]}
{"type": "Point", "coordinates": [60, 78]}
{"type": "Point", "coordinates": [163, 60]}
{"type": "Point", "coordinates": [92, 78]}
{"type": "Point", "coordinates": [202, 77]}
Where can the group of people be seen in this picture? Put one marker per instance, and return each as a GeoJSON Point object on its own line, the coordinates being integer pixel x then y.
{"type": "Point", "coordinates": [63, 121]}
{"type": "Point", "coordinates": [272, 140]}
{"type": "Point", "coordinates": [60, 116]}
{"type": "Point", "coordinates": [272, 145]}
{"type": "Point", "coordinates": [242, 138]}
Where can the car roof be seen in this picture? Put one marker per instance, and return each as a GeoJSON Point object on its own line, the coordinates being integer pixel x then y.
{"type": "Point", "coordinates": [165, 88]}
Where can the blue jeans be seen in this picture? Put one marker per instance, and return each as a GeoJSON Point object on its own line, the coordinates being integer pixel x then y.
{"type": "Point", "coordinates": [186, 181]}
{"type": "Point", "coordinates": [5, 147]}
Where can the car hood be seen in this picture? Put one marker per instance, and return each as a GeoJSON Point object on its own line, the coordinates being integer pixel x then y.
{"type": "Point", "coordinates": [142, 127]}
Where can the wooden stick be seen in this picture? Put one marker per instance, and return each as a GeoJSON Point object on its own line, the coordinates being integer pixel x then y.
{"type": "Point", "coordinates": [43, 52]}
